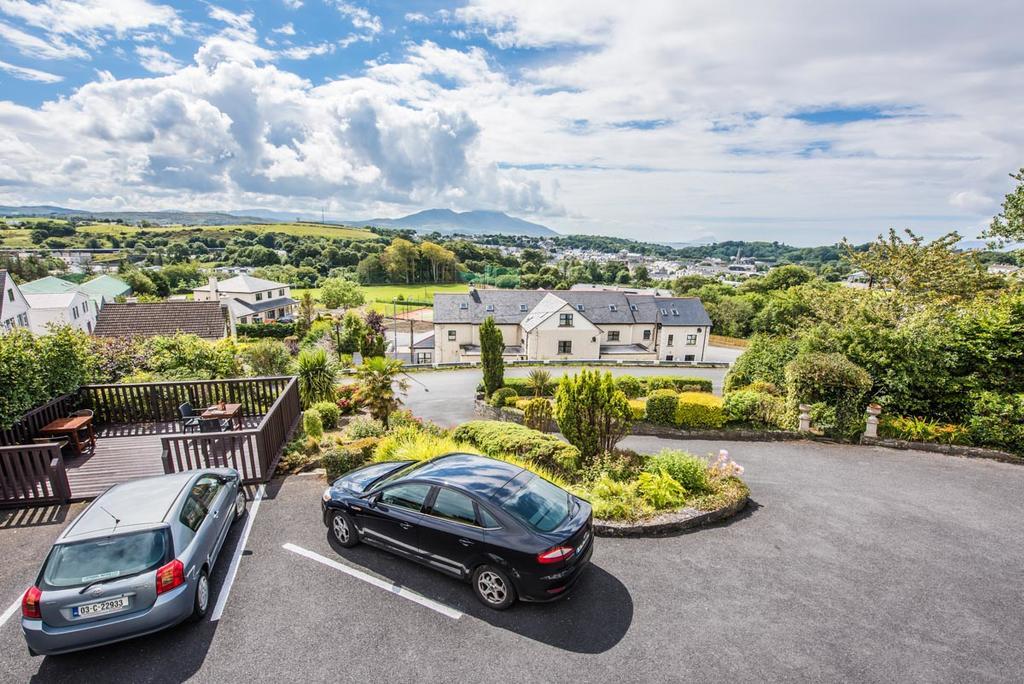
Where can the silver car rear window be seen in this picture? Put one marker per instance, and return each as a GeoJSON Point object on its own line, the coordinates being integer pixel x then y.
{"type": "Point", "coordinates": [107, 558]}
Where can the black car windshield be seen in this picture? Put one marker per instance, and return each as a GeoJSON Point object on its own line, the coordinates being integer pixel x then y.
{"type": "Point", "coordinates": [539, 504]}
{"type": "Point", "coordinates": [402, 472]}
{"type": "Point", "coordinates": [107, 558]}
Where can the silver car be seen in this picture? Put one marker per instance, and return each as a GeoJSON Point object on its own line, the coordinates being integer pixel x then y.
{"type": "Point", "coordinates": [137, 560]}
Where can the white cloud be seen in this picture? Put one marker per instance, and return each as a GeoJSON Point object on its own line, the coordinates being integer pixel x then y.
{"type": "Point", "coordinates": [416, 18]}
{"type": "Point", "coordinates": [241, 21]}
{"type": "Point", "coordinates": [32, 46]}
{"type": "Point", "coordinates": [26, 74]}
{"type": "Point", "coordinates": [360, 17]}
{"type": "Point", "coordinates": [292, 4]}
{"type": "Point", "coordinates": [156, 60]}
{"type": "Point", "coordinates": [89, 19]}
{"type": "Point", "coordinates": [301, 52]}
{"type": "Point", "coordinates": [287, 30]}
{"type": "Point", "coordinates": [972, 200]}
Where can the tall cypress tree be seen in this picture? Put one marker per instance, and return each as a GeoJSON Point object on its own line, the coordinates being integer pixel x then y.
{"type": "Point", "coordinates": [491, 347]}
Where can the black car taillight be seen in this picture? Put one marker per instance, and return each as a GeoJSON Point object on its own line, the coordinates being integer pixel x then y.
{"type": "Point", "coordinates": [555, 555]}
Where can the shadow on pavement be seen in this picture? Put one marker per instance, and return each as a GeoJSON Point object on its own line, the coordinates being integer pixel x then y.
{"type": "Point", "coordinates": [35, 516]}
{"type": "Point", "coordinates": [593, 618]}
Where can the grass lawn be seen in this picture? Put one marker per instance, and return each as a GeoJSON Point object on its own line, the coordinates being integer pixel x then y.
{"type": "Point", "coordinates": [296, 229]}
{"type": "Point", "coordinates": [388, 292]}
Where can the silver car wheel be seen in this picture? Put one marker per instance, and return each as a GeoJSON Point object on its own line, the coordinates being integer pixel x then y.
{"type": "Point", "coordinates": [340, 527]}
{"type": "Point", "coordinates": [492, 587]}
{"type": "Point", "coordinates": [203, 593]}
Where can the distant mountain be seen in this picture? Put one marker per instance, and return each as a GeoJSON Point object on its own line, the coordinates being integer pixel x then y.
{"type": "Point", "coordinates": [447, 221]}
{"type": "Point", "coordinates": [191, 218]}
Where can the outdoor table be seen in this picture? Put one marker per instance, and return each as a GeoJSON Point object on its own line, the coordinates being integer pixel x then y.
{"type": "Point", "coordinates": [229, 412]}
{"type": "Point", "coordinates": [70, 427]}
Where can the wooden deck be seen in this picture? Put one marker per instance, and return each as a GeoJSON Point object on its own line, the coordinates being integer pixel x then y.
{"type": "Point", "coordinates": [123, 453]}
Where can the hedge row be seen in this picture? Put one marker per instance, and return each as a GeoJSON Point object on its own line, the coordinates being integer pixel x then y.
{"type": "Point", "coordinates": [632, 386]}
{"type": "Point", "coordinates": [278, 331]}
{"type": "Point", "coordinates": [686, 410]}
{"type": "Point", "coordinates": [511, 439]}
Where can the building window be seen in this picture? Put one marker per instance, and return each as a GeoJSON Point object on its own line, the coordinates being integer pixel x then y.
{"type": "Point", "coordinates": [691, 339]}
{"type": "Point", "coordinates": [523, 308]}
{"type": "Point", "coordinates": [564, 347]}
{"type": "Point", "coordinates": [10, 295]}
{"type": "Point", "coordinates": [259, 296]}
{"type": "Point", "coordinates": [451, 335]}
{"type": "Point", "coordinates": [613, 335]}
{"type": "Point", "coordinates": [579, 307]}
{"type": "Point", "coordinates": [424, 357]}
{"type": "Point", "coordinates": [74, 313]}
{"type": "Point", "coordinates": [688, 357]}
{"type": "Point", "coordinates": [270, 314]}
{"type": "Point", "coordinates": [489, 307]}
{"type": "Point", "coordinates": [280, 293]}
{"type": "Point", "coordinates": [564, 321]}
{"type": "Point", "coordinates": [463, 305]}
{"type": "Point", "coordinates": [280, 313]}
{"type": "Point", "coordinates": [671, 339]}
{"type": "Point", "coordinates": [669, 357]}
{"type": "Point", "coordinates": [647, 334]}
{"type": "Point", "coordinates": [613, 307]}
{"type": "Point", "coordinates": [23, 320]}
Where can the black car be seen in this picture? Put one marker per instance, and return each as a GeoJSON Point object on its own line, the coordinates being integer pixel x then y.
{"type": "Point", "coordinates": [508, 531]}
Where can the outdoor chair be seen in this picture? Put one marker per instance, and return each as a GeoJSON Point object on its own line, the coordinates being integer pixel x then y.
{"type": "Point", "coordinates": [214, 425]}
{"type": "Point", "coordinates": [189, 419]}
{"type": "Point", "coordinates": [62, 442]}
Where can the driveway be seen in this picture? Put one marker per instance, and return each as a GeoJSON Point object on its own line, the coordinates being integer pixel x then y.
{"type": "Point", "coordinates": [853, 563]}
{"type": "Point", "coordinates": [446, 397]}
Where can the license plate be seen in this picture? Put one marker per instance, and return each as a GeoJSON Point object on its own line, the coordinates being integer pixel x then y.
{"type": "Point", "coordinates": [101, 607]}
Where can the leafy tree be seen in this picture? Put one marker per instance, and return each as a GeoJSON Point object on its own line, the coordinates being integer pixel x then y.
{"type": "Point", "coordinates": [537, 414]}
{"type": "Point", "coordinates": [539, 381]}
{"type": "Point", "coordinates": [731, 316]}
{"type": "Point", "coordinates": [764, 361]}
{"type": "Point", "coordinates": [140, 282]}
{"type": "Point", "coordinates": [20, 375]}
{"type": "Point", "coordinates": [592, 413]}
{"type": "Point", "coordinates": [1009, 224]}
{"type": "Point", "coordinates": [779, 278]}
{"type": "Point", "coordinates": [399, 260]}
{"type": "Point", "coordinates": [834, 382]}
{"type": "Point", "coordinates": [338, 293]}
{"type": "Point", "coordinates": [316, 375]}
{"type": "Point", "coordinates": [307, 312]}
{"type": "Point", "coordinates": [189, 357]}
{"type": "Point", "coordinates": [380, 387]}
{"type": "Point", "coordinates": [442, 262]}
{"type": "Point", "coordinates": [352, 333]}
{"type": "Point", "coordinates": [267, 357]}
{"type": "Point", "coordinates": [67, 360]}
{"type": "Point", "coordinates": [491, 348]}
{"type": "Point", "coordinates": [374, 342]}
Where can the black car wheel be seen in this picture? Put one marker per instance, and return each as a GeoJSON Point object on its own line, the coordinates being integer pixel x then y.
{"type": "Point", "coordinates": [342, 529]}
{"type": "Point", "coordinates": [493, 587]}
{"type": "Point", "coordinates": [202, 601]}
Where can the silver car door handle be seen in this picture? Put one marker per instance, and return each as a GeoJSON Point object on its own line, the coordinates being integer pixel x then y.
{"type": "Point", "coordinates": [465, 542]}
{"type": "Point", "coordinates": [405, 525]}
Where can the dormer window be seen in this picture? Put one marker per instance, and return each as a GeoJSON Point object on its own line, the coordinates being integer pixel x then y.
{"type": "Point", "coordinates": [664, 312]}
{"type": "Point", "coordinates": [489, 307]}
{"type": "Point", "coordinates": [634, 307]}
{"type": "Point", "coordinates": [463, 305]}
{"type": "Point", "coordinates": [523, 308]}
{"type": "Point", "coordinates": [675, 312]}
{"type": "Point", "coordinates": [579, 307]}
{"type": "Point", "coordinates": [613, 307]}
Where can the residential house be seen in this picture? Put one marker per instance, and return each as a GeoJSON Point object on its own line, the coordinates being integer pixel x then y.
{"type": "Point", "coordinates": [571, 325]}
{"type": "Point", "coordinates": [101, 289]}
{"type": "Point", "coordinates": [13, 307]}
{"type": "Point", "coordinates": [72, 308]}
{"type": "Point", "coordinates": [252, 300]}
{"type": "Point", "coordinates": [210, 320]}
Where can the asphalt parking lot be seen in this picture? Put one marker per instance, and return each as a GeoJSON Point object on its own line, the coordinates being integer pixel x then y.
{"type": "Point", "coordinates": [852, 563]}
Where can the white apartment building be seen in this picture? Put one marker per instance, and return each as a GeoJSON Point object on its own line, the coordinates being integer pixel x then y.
{"type": "Point", "coordinates": [251, 300]}
{"type": "Point", "coordinates": [72, 308]}
{"type": "Point", "coordinates": [570, 325]}
{"type": "Point", "coordinates": [13, 307]}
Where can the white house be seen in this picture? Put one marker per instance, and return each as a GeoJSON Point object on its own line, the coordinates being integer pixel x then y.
{"type": "Point", "coordinates": [13, 307]}
{"type": "Point", "coordinates": [72, 308]}
{"type": "Point", "coordinates": [251, 300]}
{"type": "Point", "coordinates": [570, 325]}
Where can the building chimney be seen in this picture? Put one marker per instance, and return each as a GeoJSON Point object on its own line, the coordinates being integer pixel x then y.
{"type": "Point", "coordinates": [213, 288]}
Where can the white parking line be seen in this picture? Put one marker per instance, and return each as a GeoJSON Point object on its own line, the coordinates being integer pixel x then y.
{"type": "Point", "coordinates": [370, 579]}
{"type": "Point", "coordinates": [15, 607]}
{"type": "Point", "coordinates": [225, 590]}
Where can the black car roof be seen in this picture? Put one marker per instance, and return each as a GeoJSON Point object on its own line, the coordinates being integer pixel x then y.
{"type": "Point", "coordinates": [480, 475]}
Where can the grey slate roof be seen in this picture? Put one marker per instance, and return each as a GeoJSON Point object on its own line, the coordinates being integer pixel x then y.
{"type": "Point", "coordinates": [425, 343]}
{"type": "Point", "coordinates": [149, 319]}
{"type": "Point", "coordinates": [624, 349]}
{"type": "Point", "coordinates": [597, 307]}
{"type": "Point", "coordinates": [257, 307]}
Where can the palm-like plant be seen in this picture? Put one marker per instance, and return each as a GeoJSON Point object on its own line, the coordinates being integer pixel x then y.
{"type": "Point", "coordinates": [380, 386]}
{"type": "Point", "coordinates": [316, 376]}
{"type": "Point", "coordinates": [539, 381]}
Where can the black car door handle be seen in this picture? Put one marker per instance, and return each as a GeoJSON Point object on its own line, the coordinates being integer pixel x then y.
{"type": "Point", "coordinates": [405, 525]}
{"type": "Point", "coordinates": [465, 542]}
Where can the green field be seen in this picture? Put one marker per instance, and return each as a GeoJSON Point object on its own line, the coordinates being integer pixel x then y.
{"type": "Point", "coordinates": [388, 292]}
{"type": "Point", "coordinates": [296, 229]}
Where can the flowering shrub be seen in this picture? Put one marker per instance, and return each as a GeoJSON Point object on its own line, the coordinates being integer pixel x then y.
{"type": "Point", "coordinates": [724, 467]}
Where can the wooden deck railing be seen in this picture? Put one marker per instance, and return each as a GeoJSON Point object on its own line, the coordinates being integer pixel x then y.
{"type": "Point", "coordinates": [159, 401]}
{"type": "Point", "coordinates": [253, 453]}
{"type": "Point", "coordinates": [29, 424]}
{"type": "Point", "coordinates": [32, 475]}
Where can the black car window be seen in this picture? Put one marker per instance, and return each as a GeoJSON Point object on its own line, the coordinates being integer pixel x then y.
{"type": "Point", "coordinates": [487, 519]}
{"type": "Point", "coordinates": [206, 489]}
{"type": "Point", "coordinates": [409, 496]}
{"type": "Point", "coordinates": [452, 505]}
{"type": "Point", "coordinates": [539, 504]}
{"type": "Point", "coordinates": [192, 513]}
{"type": "Point", "coordinates": [72, 565]}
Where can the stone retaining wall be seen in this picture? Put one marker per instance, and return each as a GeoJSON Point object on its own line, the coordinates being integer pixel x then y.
{"type": "Point", "coordinates": [949, 449]}
{"type": "Point", "coordinates": [668, 523]}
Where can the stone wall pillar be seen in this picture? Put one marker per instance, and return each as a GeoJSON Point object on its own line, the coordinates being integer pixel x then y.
{"type": "Point", "coordinates": [873, 411]}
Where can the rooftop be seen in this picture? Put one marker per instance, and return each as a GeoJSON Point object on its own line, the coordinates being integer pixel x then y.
{"type": "Point", "coordinates": [105, 286]}
{"type": "Point", "coordinates": [148, 319]}
{"type": "Point", "coordinates": [61, 300]}
{"type": "Point", "coordinates": [48, 285]}
{"type": "Point", "coordinates": [243, 283]}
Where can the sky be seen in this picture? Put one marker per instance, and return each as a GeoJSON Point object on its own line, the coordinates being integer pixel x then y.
{"type": "Point", "coordinates": [802, 121]}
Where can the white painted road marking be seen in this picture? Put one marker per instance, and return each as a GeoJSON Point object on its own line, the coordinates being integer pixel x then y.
{"type": "Point", "coordinates": [225, 590]}
{"type": "Point", "coordinates": [370, 579]}
{"type": "Point", "coordinates": [15, 607]}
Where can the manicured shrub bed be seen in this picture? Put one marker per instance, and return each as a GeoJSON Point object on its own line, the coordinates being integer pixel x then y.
{"type": "Point", "coordinates": [496, 437]}
{"type": "Point", "coordinates": [633, 386]}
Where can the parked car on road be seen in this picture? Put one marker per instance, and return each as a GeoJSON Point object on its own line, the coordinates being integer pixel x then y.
{"type": "Point", "coordinates": [137, 560]}
{"type": "Point", "coordinates": [509, 532]}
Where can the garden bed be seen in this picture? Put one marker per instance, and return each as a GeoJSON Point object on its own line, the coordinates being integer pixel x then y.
{"type": "Point", "coordinates": [671, 522]}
